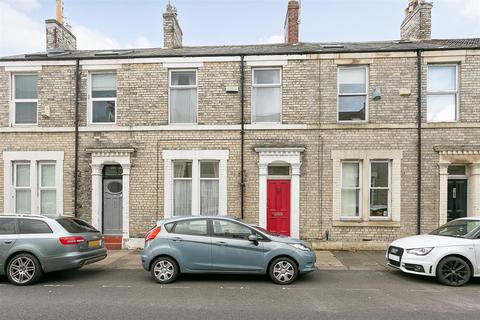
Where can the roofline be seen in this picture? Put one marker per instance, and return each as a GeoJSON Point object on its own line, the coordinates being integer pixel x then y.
{"type": "Point", "coordinates": [235, 54]}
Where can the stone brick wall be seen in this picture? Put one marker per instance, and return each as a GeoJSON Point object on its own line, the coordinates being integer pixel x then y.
{"type": "Point", "coordinates": [59, 37]}
{"type": "Point", "coordinates": [309, 95]}
{"type": "Point", "coordinates": [418, 23]}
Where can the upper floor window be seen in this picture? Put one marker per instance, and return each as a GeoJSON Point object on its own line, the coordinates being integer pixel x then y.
{"type": "Point", "coordinates": [352, 93]}
{"type": "Point", "coordinates": [442, 93]}
{"type": "Point", "coordinates": [183, 96]}
{"type": "Point", "coordinates": [103, 98]}
{"type": "Point", "coordinates": [266, 95]}
{"type": "Point", "coordinates": [25, 99]}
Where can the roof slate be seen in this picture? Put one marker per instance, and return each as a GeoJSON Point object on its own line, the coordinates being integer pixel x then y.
{"type": "Point", "coordinates": [262, 49]}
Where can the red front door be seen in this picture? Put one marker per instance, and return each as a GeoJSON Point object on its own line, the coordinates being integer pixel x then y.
{"type": "Point", "coordinates": [278, 206]}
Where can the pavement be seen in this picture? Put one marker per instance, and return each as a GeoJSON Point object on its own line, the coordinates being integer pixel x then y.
{"type": "Point", "coordinates": [326, 260]}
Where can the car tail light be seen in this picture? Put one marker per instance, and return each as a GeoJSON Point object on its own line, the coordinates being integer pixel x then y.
{"type": "Point", "coordinates": [152, 234]}
{"type": "Point", "coordinates": [71, 240]}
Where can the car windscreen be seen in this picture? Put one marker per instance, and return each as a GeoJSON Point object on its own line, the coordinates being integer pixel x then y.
{"type": "Point", "coordinates": [458, 228]}
{"type": "Point", "coordinates": [76, 225]}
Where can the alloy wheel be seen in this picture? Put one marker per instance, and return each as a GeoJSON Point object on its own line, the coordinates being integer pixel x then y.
{"type": "Point", "coordinates": [164, 270]}
{"type": "Point", "coordinates": [453, 271]}
{"type": "Point", "coordinates": [283, 271]}
{"type": "Point", "coordinates": [22, 270]}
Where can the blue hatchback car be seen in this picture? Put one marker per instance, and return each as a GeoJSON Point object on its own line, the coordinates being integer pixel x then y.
{"type": "Point", "coordinates": [222, 245]}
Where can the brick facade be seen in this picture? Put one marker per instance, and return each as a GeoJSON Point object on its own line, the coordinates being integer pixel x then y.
{"type": "Point", "coordinates": [309, 120]}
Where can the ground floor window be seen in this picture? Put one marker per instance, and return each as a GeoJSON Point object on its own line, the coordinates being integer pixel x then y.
{"type": "Point", "coordinates": [367, 184]}
{"type": "Point", "coordinates": [33, 182]}
{"type": "Point", "coordinates": [195, 182]}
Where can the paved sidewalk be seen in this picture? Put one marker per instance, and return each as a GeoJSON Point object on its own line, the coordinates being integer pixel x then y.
{"type": "Point", "coordinates": [326, 260]}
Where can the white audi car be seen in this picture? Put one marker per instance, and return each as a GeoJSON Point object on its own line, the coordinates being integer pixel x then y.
{"type": "Point", "coordinates": [451, 253]}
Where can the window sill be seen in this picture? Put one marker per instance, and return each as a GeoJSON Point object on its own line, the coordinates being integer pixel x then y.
{"type": "Point", "coordinates": [370, 223]}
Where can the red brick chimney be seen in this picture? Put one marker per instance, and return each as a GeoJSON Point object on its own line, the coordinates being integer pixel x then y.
{"type": "Point", "coordinates": [292, 22]}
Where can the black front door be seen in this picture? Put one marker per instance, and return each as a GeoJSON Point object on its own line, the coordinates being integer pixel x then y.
{"type": "Point", "coordinates": [457, 199]}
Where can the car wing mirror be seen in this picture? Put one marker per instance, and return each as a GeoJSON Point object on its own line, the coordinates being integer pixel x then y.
{"type": "Point", "coordinates": [253, 238]}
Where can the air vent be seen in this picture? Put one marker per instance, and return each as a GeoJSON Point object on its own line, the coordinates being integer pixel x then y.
{"type": "Point", "coordinates": [333, 46]}
{"type": "Point", "coordinates": [112, 52]}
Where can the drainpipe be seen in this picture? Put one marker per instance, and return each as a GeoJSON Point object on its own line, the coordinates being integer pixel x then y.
{"type": "Point", "coordinates": [77, 94]}
{"type": "Point", "coordinates": [242, 137]}
{"type": "Point", "coordinates": [419, 141]}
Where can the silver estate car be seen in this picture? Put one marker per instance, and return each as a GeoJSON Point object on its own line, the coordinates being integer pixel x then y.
{"type": "Point", "coordinates": [222, 245]}
{"type": "Point", "coordinates": [31, 245]}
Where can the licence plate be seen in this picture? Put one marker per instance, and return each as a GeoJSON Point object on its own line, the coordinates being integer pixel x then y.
{"type": "Point", "coordinates": [94, 244]}
{"type": "Point", "coordinates": [393, 257]}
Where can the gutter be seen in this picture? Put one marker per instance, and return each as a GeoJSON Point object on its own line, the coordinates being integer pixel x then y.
{"type": "Point", "coordinates": [77, 94]}
{"type": "Point", "coordinates": [419, 141]}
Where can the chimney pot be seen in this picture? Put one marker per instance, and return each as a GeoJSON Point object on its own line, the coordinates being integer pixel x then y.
{"type": "Point", "coordinates": [291, 25]}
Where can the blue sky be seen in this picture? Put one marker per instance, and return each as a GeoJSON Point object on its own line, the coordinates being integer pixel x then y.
{"type": "Point", "coordinates": [107, 24]}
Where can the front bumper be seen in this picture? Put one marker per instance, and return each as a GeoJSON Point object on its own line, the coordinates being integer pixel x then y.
{"type": "Point", "coordinates": [409, 263]}
{"type": "Point", "coordinates": [307, 262]}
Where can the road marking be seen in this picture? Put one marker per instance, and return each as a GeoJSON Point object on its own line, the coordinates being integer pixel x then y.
{"type": "Point", "coordinates": [360, 289]}
{"type": "Point", "coordinates": [426, 290]}
{"type": "Point", "coordinates": [172, 287]}
{"type": "Point", "coordinates": [58, 285]}
{"type": "Point", "coordinates": [234, 288]}
{"type": "Point", "coordinates": [107, 286]}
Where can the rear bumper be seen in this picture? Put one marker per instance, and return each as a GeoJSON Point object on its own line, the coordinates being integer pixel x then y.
{"type": "Point", "coordinates": [74, 260]}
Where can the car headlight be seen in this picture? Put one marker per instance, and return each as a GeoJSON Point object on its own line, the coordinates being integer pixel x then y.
{"type": "Point", "coordinates": [420, 251]}
{"type": "Point", "coordinates": [300, 246]}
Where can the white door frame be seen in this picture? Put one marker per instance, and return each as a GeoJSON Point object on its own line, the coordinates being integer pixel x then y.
{"type": "Point", "coordinates": [293, 157]}
{"type": "Point", "coordinates": [100, 158]}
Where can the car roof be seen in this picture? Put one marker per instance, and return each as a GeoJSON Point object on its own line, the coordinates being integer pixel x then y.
{"type": "Point", "coordinates": [469, 218]}
{"type": "Point", "coordinates": [21, 215]}
{"type": "Point", "coordinates": [174, 219]}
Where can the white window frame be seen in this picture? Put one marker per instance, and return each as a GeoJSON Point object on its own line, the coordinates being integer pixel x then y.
{"type": "Point", "coordinates": [359, 188]}
{"type": "Point", "coordinates": [14, 101]}
{"type": "Point", "coordinates": [277, 85]}
{"type": "Point", "coordinates": [170, 87]}
{"type": "Point", "coordinates": [389, 188]}
{"type": "Point", "coordinates": [196, 156]}
{"type": "Point", "coordinates": [34, 158]}
{"type": "Point", "coordinates": [180, 179]}
{"type": "Point", "coordinates": [366, 94]}
{"type": "Point", "coordinates": [91, 99]}
{"type": "Point", "coordinates": [455, 92]}
{"type": "Point", "coordinates": [208, 179]}
{"type": "Point", "coordinates": [16, 188]}
{"type": "Point", "coordinates": [42, 188]}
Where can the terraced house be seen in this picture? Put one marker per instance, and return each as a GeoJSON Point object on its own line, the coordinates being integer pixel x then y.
{"type": "Point", "coordinates": [333, 142]}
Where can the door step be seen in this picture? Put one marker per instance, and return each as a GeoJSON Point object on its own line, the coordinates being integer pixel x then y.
{"type": "Point", "coordinates": [113, 242]}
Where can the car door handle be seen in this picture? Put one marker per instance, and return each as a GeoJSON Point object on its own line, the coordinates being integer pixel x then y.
{"type": "Point", "coordinates": [8, 241]}
{"type": "Point", "coordinates": [221, 243]}
{"type": "Point", "coordinates": [177, 239]}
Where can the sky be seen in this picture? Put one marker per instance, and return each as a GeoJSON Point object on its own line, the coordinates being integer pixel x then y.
{"type": "Point", "coordinates": [117, 24]}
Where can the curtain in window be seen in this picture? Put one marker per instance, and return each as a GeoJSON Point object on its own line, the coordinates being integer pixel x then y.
{"type": "Point", "coordinates": [267, 104]}
{"type": "Point", "coordinates": [182, 198]}
{"type": "Point", "coordinates": [183, 105]}
{"type": "Point", "coordinates": [209, 197]}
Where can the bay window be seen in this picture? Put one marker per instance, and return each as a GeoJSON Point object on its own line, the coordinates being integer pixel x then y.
{"type": "Point", "coordinates": [25, 99]}
{"type": "Point", "coordinates": [352, 93]}
{"type": "Point", "coordinates": [442, 93]}
{"type": "Point", "coordinates": [266, 95]}
{"type": "Point", "coordinates": [183, 96]}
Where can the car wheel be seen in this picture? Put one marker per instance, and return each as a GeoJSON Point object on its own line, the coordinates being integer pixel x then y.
{"type": "Point", "coordinates": [24, 269]}
{"type": "Point", "coordinates": [164, 270]}
{"type": "Point", "coordinates": [453, 271]}
{"type": "Point", "coordinates": [283, 270]}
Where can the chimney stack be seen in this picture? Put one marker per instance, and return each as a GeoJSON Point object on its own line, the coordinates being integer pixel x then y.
{"type": "Point", "coordinates": [417, 24]}
{"type": "Point", "coordinates": [172, 33]}
{"type": "Point", "coordinates": [59, 34]}
{"type": "Point", "coordinates": [292, 22]}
